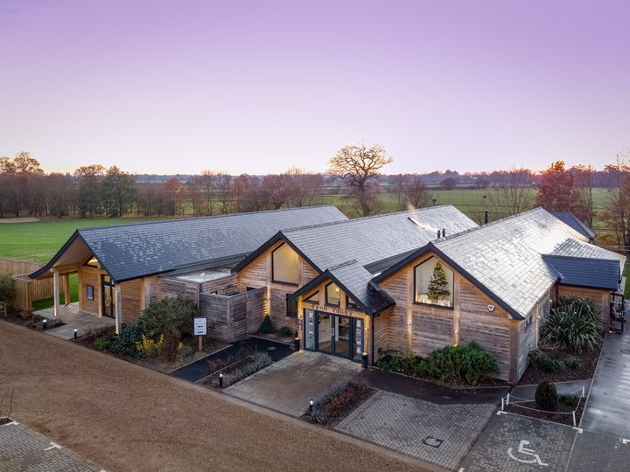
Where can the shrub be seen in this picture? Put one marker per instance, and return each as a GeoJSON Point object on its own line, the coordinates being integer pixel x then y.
{"type": "Point", "coordinates": [338, 399]}
{"type": "Point", "coordinates": [186, 350]}
{"type": "Point", "coordinates": [175, 312]}
{"type": "Point", "coordinates": [7, 292]}
{"type": "Point", "coordinates": [285, 331]}
{"type": "Point", "coordinates": [255, 362]}
{"type": "Point", "coordinates": [572, 324]}
{"type": "Point", "coordinates": [125, 342]}
{"type": "Point", "coordinates": [169, 346]}
{"type": "Point", "coordinates": [102, 343]}
{"type": "Point", "coordinates": [468, 364]}
{"type": "Point", "coordinates": [573, 363]}
{"type": "Point", "coordinates": [546, 395]}
{"type": "Point", "coordinates": [147, 347]}
{"type": "Point", "coordinates": [265, 326]}
{"type": "Point", "coordinates": [545, 363]}
{"type": "Point", "coordinates": [569, 400]}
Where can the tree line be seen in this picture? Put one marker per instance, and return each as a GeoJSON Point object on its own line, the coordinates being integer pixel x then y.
{"type": "Point", "coordinates": [355, 172]}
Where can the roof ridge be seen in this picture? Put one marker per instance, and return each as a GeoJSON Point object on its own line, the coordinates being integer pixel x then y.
{"type": "Point", "coordinates": [207, 217]}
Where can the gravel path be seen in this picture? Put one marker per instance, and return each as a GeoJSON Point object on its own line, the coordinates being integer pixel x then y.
{"type": "Point", "coordinates": [125, 417]}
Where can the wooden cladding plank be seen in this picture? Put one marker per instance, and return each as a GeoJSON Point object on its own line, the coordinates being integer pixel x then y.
{"type": "Point", "coordinates": [223, 286]}
{"type": "Point", "coordinates": [431, 331]}
{"type": "Point", "coordinates": [473, 300]}
{"type": "Point", "coordinates": [490, 333]}
{"type": "Point", "coordinates": [131, 293]}
{"type": "Point", "coordinates": [89, 276]}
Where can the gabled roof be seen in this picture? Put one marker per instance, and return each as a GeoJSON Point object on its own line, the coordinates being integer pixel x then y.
{"type": "Point", "coordinates": [571, 220]}
{"type": "Point", "coordinates": [132, 251]}
{"type": "Point", "coordinates": [372, 244]}
{"type": "Point", "coordinates": [505, 258]}
{"type": "Point", "coordinates": [354, 280]}
{"type": "Point", "coordinates": [591, 273]}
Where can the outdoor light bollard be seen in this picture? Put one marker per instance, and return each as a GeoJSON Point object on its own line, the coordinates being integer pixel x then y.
{"type": "Point", "coordinates": [221, 380]}
{"type": "Point", "coordinates": [44, 323]}
{"type": "Point", "coordinates": [310, 406]}
{"type": "Point", "coordinates": [364, 360]}
{"type": "Point", "coordinates": [76, 333]}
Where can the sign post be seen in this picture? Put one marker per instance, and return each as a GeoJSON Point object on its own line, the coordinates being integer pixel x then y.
{"type": "Point", "coordinates": [200, 329]}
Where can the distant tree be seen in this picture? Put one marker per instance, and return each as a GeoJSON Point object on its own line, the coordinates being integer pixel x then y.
{"type": "Point", "coordinates": [118, 190]}
{"type": "Point", "coordinates": [224, 192]}
{"type": "Point", "coordinates": [449, 183]}
{"type": "Point", "coordinates": [617, 215]}
{"type": "Point", "coordinates": [515, 193]}
{"type": "Point", "coordinates": [358, 167]}
{"type": "Point", "coordinates": [556, 192]}
{"type": "Point", "coordinates": [206, 185]}
{"type": "Point", "coordinates": [173, 196]}
{"type": "Point", "coordinates": [60, 191]}
{"type": "Point", "coordinates": [22, 179]}
{"type": "Point", "coordinates": [303, 187]}
{"type": "Point", "coordinates": [415, 191]}
{"type": "Point", "coordinates": [150, 199]}
{"type": "Point", "coordinates": [89, 193]}
{"type": "Point", "coordinates": [276, 189]}
{"type": "Point", "coordinates": [583, 191]}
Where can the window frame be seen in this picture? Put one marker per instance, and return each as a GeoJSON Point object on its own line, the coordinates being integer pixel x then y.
{"type": "Point", "coordinates": [328, 303]}
{"type": "Point", "coordinates": [273, 269]}
{"type": "Point", "coordinates": [451, 281]}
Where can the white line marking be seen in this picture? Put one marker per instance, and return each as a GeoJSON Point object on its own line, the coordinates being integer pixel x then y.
{"type": "Point", "coordinates": [625, 441]}
{"type": "Point", "coordinates": [53, 446]}
{"type": "Point", "coordinates": [579, 430]}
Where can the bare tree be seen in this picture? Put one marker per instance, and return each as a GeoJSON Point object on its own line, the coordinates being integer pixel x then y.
{"type": "Point", "coordinates": [515, 195]}
{"type": "Point", "coordinates": [276, 189]}
{"type": "Point", "coordinates": [583, 190]}
{"type": "Point", "coordinates": [224, 191]}
{"type": "Point", "coordinates": [118, 191]}
{"type": "Point", "coordinates": [359, 167]}
{"type": "Point", "coordinates": [303, 187]}
{"type": "Point", "coordinates": [617, 216]}
{"type": "Point", "coordinates": [415, 191]}
{"type": "Point", "coordinates": [60, 190]}
{"type": "Point", "coordinates": [173, 194]}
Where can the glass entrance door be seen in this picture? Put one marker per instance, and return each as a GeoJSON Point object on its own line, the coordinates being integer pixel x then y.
{"type": "Point", "coordinates": [334, 334]}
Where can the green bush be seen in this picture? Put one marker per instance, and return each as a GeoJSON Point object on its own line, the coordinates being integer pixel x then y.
{"type": "Point", "coordinates": [175, 312]}
{"type": "Point", "coordinates": [169, 348]}
{"type": "Point", "coordinates": [186, 350]}
{"type": "Point", "coordinates": [569, 400]}
{"type": "Point", "coordinates": [265, 326]}
{"type": "Point", "coordinates": [546, 395]}
{"type": "Point", "coordinates": [103, 343]}
{"type": "Point", "coordinates": [285, 331]}
{"type": "Point", "coordinates": [468, 364]}
{"type": "Point", "coordinates": [573, 363]}
{"type": "Point", "coordinates": [125, 342]}
{"type": "Point", "coordinates": [572, 324]}
{"type": "Point", "coordinates": [7, 292]}
{"type": "Point", "coordinates": [541, 361]}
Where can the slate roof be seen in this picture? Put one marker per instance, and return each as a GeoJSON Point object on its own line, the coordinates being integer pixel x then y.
{"type": "Point", "coordinates": [373, 243]}
{"type": "Point", "coordinates": [505, 259]}
{"type": "Point", "coordinates": [580, 272]}
{"type": "Point", "coordinates": [571, 220]}
{"type": "Point", "coordinates": [132, 251]}
{"type": "Point", "coordinates": [375, 238]}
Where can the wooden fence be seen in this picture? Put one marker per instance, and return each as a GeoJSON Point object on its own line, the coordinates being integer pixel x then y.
{"type": "Point", "coordinates": [26, 290]}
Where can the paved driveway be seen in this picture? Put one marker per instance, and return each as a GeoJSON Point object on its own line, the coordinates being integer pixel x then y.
{"type": "Point", "coordinates": [287, 385]}
{"type": "Point", "coordinates": [439, 434]}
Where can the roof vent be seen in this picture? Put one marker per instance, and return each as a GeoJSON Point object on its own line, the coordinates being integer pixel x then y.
{"type": "Point", "coordinates": [414, 221]}
{"type": "Point", "coordinates": [443, 232]}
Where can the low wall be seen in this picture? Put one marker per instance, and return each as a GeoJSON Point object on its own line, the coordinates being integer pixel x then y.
{"type": "Point", "coordinates": [235, 316]}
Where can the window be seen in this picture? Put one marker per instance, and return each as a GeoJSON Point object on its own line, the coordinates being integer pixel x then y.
{"type": "Point", "coordinates": [351, 303]}
{"type": "Point", "coordinates": [291, 306]}
{"type": "Point", "coordinates": [89, 292]}
{"type": "Point", "coordinates": [332, 295]}
{"type": "Point", "coordinates": [433, 283]}
{"type": "Point", "coordinates": [314, 298]}
{"type": "Point", "coordinates": [284, 265]}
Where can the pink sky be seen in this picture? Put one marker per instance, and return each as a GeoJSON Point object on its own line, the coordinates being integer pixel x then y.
{"type": "Point", "coordinates": [260, 86]}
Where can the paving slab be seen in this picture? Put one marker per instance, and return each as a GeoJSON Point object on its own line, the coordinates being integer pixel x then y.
{"type": "Point", "coordinates": [23, 449]}
{"type": "Point", "coordinates": [439, 434]}
{"type": "Point", "coordinates": [599, 452]}
{"type": "Point", "coordinates": [288, 385]}
{"type": "Point", "coordinates": [515, 443]}
{"type": "Point", "coordinates": [73, 318]}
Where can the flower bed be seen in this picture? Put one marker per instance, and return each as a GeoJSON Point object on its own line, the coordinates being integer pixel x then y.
{"type": "Point", "coordinates": [339, 402]}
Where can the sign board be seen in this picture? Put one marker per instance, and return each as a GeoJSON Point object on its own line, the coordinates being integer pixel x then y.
{"type": "Point", "coordinates": [200, 327]}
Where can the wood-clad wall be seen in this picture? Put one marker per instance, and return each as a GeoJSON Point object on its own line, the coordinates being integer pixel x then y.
{"type": "Point", "coordinates": [601, 299]}
{"type": "Point", "coordinates": [233, 317]}
{"type": "Point", "coordinates": [131, 300]}
{"type": "Point", "coordinates": [89, 275]}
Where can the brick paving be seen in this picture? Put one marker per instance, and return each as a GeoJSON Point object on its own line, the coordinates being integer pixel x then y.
{"type": "Point", "coordinates": [508, 432]}
{"type": "Point", "coordinates": [403, 424]}
{"type": "Point", "coordinates": [23, 449]}
{"type": "Point", "coordinates": [599, 452]}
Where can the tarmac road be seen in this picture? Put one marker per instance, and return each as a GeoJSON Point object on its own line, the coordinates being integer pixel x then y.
{"type": "Point", "coordinates": [125, 417]}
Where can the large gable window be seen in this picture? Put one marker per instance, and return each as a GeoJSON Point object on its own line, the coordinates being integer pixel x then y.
{"type": "Point", "coordinates": [433, 283]}
{"type": "Point", "coordinates": [285, 268]}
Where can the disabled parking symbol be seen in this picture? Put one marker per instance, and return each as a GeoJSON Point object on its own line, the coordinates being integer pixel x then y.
{"type": "Point", "coordinates": [533, 458]}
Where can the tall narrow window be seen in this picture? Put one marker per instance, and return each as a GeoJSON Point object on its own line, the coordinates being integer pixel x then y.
{"type": "Point", "coordinates": [332, 295]}
{"type": "Point", "coordinates": [291, 306]}
{"type": "Point", "coordinates": [284, 265]}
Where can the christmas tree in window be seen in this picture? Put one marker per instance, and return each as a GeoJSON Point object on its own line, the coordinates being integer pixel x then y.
{"type": "Point", "coordinates": [438, 285]}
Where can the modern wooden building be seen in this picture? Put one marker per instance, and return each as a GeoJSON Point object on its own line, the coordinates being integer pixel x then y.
{"type": "Point", "coordinates": [122, 269]}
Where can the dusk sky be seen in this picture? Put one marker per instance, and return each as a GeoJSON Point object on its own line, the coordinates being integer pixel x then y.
{"type": "Point", "coordinates": [171, 87]}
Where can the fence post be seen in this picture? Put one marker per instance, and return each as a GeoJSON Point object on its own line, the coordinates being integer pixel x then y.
{"type": "Point", "coordinates": [573, 413]}
{"type": "Point", "coordinates": [502, 400]}
{"type": "Point", "coordinates": [582, 391]}
{"type": "Point", "coordinates": [508, 399]}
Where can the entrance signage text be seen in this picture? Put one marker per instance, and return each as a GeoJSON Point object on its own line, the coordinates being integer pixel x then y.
{"type": "Point", "coordinates": [333, 309]}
